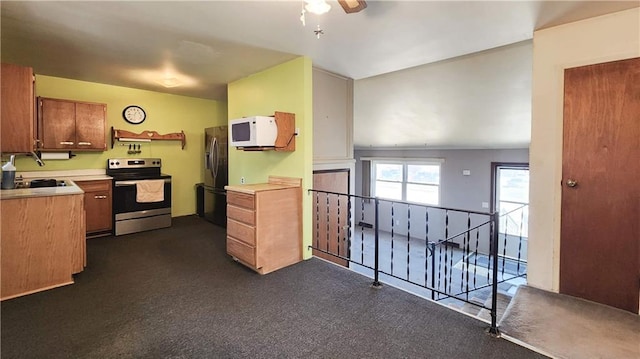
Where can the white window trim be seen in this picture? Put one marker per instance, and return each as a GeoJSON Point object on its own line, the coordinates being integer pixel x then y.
{"type": "Point", "coordinates": [404, 162]}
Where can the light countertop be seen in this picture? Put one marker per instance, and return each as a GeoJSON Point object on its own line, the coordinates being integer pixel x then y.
{"type": "Point", "coordinates": [73, 175]}
{"type": "Point", "coordinates": [70, 177]}
{"type": "Point", "coordinates": [258, 187]}
{"type": "Point", "coordinates": [70, 189]}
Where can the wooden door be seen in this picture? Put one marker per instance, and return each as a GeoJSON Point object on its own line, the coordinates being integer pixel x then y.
{"type": "Point", "coordinates": [330, 215]}
{"type": "Point", "coordinates": [90, 126]}
{"type": "Point", "coordinates": [600, 228]}
{"type": "Point", "coordinates": [57, 124]}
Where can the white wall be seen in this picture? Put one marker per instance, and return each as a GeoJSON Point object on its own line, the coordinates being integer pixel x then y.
{"type": "Point", "coordinates": [601, 39]}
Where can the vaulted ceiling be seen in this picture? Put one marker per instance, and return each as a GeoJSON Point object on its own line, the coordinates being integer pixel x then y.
{"type": "Point", "coordinates": [205, 45]}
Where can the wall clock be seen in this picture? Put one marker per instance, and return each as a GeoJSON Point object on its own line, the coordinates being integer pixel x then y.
{"type": "Point", "coordinates": [134, 114]}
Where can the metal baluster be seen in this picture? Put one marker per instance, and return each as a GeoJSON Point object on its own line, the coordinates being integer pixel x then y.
{"type": "Point", "coordinates": [426, 246]}
{"type": "Point", "coordinates": [338, 224]}
{"type": "Point", "coordinates": [451, 268]}
{"type": "Point", "coordinates": [376, 249]}
{"type": "Point", "coordinates": [433, 269]}
{"type": "Point", "coordinates": [446, 236]}
{"type": "Point", "coordinates": [328, 238]}
{"type": "Point", "coordinates": [504, 248]}
{"type": "Point", "coordinates": [362, 232]}
{"type": "Point", "coordinates": [465, 244]}
{"type": "Point", "coordinates": [520, 240]}
{"type": "Point", "coordinates": [349, 227]}
{"type": "Point", "coordinates": [491, 252]}
{"type": "Point", "coordinates": [494, 284]}
{"type": "Point", "coordinates": [408, 240]}
{"type": "Point", "coordinates": [439, 265]}
{"type": "Point", "coordinates": [392, 220]}
{"type": "Point", "coordinates": [475, 258]}
{"type": "Point", "coordinates": [317, 220]}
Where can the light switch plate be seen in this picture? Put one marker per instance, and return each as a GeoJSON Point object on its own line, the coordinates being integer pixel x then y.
{"type": "Point", "coordinates": [466, 172]}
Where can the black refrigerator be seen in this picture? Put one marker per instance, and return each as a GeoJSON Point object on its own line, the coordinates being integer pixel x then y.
{"type": "Point", "coordinates": [212, 199]}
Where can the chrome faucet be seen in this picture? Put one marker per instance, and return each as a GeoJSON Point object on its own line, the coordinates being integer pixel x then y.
{"type": "Point", "coordinates": [37, 159]}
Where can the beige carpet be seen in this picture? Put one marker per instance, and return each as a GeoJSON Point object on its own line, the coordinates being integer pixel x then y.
{"type": "Point", "coordinates": [561, 326]}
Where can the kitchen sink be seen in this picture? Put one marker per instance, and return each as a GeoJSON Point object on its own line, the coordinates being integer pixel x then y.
{"type": "Point", "coordinates": [40, 183]}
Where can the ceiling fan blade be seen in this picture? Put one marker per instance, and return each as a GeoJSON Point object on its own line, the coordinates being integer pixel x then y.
{"type": "Point", "coordinates": [351, 6]}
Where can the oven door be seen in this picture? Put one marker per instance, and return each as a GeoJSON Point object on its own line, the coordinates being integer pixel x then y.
{"type": "Point", "coordinates": [124, 197]}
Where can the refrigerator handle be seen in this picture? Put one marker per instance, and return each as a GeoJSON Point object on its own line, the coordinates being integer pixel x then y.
{"type": "Point", "coordinates": [210, 158]}
{"type": "Point", "coordinates": [214, 157]}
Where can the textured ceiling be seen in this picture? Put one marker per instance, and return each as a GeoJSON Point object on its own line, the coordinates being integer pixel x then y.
{"type": "Point", "coordinates": [207, 44]}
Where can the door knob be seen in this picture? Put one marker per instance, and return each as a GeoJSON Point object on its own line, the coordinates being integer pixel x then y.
{"type": "Point", "coordinates": [572, 183]}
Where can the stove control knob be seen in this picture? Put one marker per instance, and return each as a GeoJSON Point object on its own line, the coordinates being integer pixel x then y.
{"type": "Point", "coordinates": [117, 163]}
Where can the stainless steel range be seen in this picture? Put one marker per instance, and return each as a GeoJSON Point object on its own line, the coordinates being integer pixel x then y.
{"type": "Point", "coordinates": [141, 194]}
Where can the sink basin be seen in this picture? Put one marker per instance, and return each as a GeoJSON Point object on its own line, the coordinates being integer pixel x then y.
{"type": "Point", "coordinates": [49, 182]}
{"type": "Point", "coordinates": [40, 183]}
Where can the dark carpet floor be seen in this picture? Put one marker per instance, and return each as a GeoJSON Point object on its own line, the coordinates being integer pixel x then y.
{"type": "Point", "coordinates": [174, 293]}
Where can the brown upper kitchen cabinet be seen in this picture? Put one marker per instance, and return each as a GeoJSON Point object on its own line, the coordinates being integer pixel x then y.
{"type": "Point", "coordinates": [71, 125]}
{"type": "Point", "coordinates": [17, 109]}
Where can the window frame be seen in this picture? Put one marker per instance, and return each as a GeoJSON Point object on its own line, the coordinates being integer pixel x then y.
{"type": "Point", "coordinates": [405, 162]}
{"type": "Point", "coordinates": [495, 167]}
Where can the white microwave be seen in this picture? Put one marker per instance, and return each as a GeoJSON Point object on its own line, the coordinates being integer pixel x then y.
{"type": "Point", "coordinates": [254, 131]}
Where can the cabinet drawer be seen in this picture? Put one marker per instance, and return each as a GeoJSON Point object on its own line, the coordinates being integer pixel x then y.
{"type": "Point", "coordinates": [241, 251]}
{"type": "Point", "coordinates": [241, 215]}
{"type": "Point", "coordinates": [95, 186]}
{"type": "Point", "coordinates": [241, 199]}
{"type": "Point", "coordinates": [241, 231]}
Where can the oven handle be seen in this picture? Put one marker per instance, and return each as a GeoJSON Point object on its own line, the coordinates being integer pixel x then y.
{"type": "Point", "coordinates": [133, 183]}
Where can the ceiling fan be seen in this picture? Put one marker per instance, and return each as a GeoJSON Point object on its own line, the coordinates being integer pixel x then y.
{"type": "Point", "coordinates": [320, 7]}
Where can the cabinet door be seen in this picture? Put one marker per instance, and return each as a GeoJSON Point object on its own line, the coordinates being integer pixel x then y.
{"type": "Point", "coordinates": [97, 205]}
{"type": "Point", "coordinates": [17, 109]}
{"type": "Point", "coordinates": [90, 126]}
{"type": "Point", "coordinates": [57, 124]}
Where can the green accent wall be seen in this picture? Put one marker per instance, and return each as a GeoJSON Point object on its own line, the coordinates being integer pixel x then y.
{"type": "Point", "coordinates": [165, 114]}
{"type": "Point", "coordinates": [285, 88]}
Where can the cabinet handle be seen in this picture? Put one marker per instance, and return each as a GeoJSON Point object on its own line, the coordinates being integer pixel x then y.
{"type": "Point", "coordinates": [66, 143]}
{"type": "Point", "coordinates": [100, 197]}
{"type": "Point", "coordinates": [84, 143]}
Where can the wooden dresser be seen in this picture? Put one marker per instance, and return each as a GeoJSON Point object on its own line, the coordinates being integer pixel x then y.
{"type": "Point", "coordinates": [264, 223]}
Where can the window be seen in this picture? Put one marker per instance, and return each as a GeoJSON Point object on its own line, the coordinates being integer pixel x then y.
{"type": "Point", "coordinates": [512, 193]}
{"type": "Point", "coordinates": [411, 181]}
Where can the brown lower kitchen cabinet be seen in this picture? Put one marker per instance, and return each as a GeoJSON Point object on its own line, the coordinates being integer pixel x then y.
{"type": "Point", "coordinates": [97, 204]}
{"type": "Point", "coordinates": [43, 243]}
{"type": "Point", "coordinates": [264, 223]}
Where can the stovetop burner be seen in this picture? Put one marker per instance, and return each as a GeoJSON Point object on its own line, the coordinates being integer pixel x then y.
{"type": "Point", "coordinates": [135, 168]}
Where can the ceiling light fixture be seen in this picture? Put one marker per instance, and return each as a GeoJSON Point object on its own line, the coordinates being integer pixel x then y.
{"type": "Point", "coordinates": [317, 7]}
{"type": "Point", "coordinates": [170, 82]}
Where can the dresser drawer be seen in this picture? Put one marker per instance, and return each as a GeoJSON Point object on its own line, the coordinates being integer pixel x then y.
{"type": "Point", "coordinates": [241, 231]}
{"type": "Point", "coordinates": [247, 216]}
{"type": "Point", "coordinates": [241, 251]}
{"type": "Point", "coordinates": [243, 200]}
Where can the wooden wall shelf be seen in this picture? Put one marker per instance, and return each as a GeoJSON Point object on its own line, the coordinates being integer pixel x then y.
{"type": "Point", "coordinates": [147, 136]}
